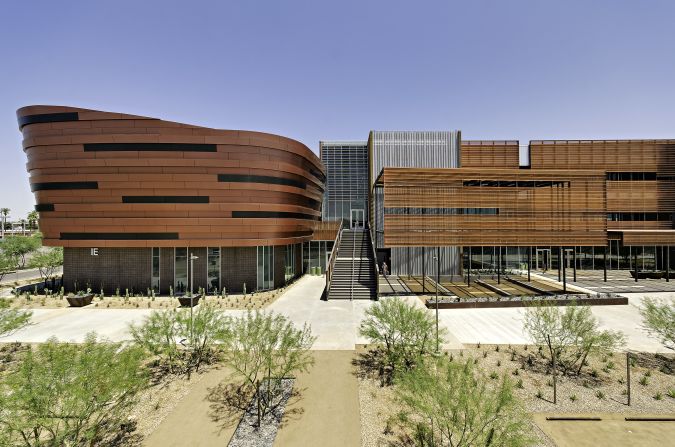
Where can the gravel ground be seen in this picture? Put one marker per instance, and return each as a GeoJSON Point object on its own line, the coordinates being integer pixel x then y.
{"type": "Point", "coordinates": [246, 434]}
{"type": "Point", "coordinates": [602, 392]}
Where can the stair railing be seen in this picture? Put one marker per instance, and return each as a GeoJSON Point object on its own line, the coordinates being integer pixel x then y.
{"type": "Point", "coordinates": [332, 258]}
{"type": "Point", "coordinates": [377, 269]}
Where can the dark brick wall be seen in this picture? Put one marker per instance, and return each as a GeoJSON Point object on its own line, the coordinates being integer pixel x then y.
{"type": "Point", "coordinates": [131, 267]}
{"type": "Point", "coordinates": [238, 266]}
{"type": "Point", "coordinates": [112, 268]}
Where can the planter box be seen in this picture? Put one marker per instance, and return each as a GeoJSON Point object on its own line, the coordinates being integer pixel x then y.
{"type": "Point", "coordinates": [505, 302]}
{"type": "Point", "coordinates": [80, 300]}
{"type": "Point", "coordinates": [186, 301]}
{"type": "Point", "coordinates": [648, 274]}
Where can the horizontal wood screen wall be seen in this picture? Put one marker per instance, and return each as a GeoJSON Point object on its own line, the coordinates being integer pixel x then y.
{"type": "Point", "coordinates": [117, 180]}
{"type": "Point", "coordinates": [654, 195]}
{"type": "Point", "coordinates": [543, 207]}
{"type": "Point", "coordinates": [489, 154]}
{"type": "Point", "coordinates": [326, 230]}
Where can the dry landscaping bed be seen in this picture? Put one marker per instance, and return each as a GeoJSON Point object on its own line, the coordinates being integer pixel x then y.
{"type": "Point", "coordinates": [600, 388]}
{"type": "Point", "coordinates": [252, 301]}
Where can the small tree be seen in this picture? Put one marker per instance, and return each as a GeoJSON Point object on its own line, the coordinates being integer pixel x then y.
{"type": "Point", "coordinates": [263, 348]}
{"type": "Point", "coordinates": [12, 319]}
{"type": "Point", "coordinates": [450, 403]}
{"type": "Point", "coordinates": [8, 263]}
{"type": "Point", "coordinates": [32, 220]}
{"type": "Point", "coordinates": [20, 246]}
{"type": "Point", "coordinates": [572, 335]}
{"type": "Point", "coordinates": [47, 261]}
{"type": "Point", "coordinates": [181, 342]}
{"type": "Point", "coordinates": [659, 319]}
{"type": "Point", "coordinates": [406, 332]}
{"type": "Point", "coordinates": [67, 394]}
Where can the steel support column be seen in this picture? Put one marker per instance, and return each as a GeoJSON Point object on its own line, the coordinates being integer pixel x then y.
{"type": "Point", "coordinates": [424, 273]}
{"type": "Point", "coordinates": [668, 264]}
{"type": "Point", "coordinates": [604, 264]}
{"type": "Point", "coordinates": [468, 270]}
{"type": "Point", "coordinates": [529, 260]}
{"type": "Point", "coordinates": [559, 264]}
{"type": "Point", "coordinates": [564, 270]}
{"type": "Point", "coordinates": [499, 266]}
{"type": "Point", "coordinates": [635, 263]}
{"type": "Point", "coordinates": [574, 261]}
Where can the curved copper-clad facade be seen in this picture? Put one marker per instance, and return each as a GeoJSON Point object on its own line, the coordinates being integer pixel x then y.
{"type": "Point", "coordinates": [115, 180]}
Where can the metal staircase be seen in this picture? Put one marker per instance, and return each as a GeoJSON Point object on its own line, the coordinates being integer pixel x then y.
{"type": "Point", "coordinates": [353, 275]}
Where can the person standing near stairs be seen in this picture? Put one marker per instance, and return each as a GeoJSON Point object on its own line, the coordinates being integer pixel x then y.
{"type": "Point", "coordinates": [385, 269]}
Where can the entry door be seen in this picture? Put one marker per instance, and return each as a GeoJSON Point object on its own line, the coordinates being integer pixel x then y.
{"type": "Point", "coordinates": [543, 259]}
{"type": "Point", "coordinates": [357, 221]}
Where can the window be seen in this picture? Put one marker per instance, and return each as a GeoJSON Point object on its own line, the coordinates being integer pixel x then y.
{"type": "Point", "coordinates": [213, 269]}
{"type": "Point", "coordinates": [155, 269]}
{"type": "Point", "coordinates": [289, 273]}
{"type": "Point", "coordinates": [265, 267]}
{"type": "Point", "coordinates": [180, 270]}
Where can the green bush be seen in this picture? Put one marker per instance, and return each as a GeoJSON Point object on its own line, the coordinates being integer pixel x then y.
{"type": "Point", "coordinates": [12, 319]}
{"type": "Point", "coordinates": [262, 349]}
{"type": "Point", "coordinates": [68, 394]}
{"type": "Point", "coordinates": [448, 400]}
{"type": "Point", "coordinates": [404, 331]}
{"type": "Point", "coordinates": [571, 334]}
{"type": "Point", "coordinates": [659, 319]}
{"type": "Point", "coordinates": [181, 340]}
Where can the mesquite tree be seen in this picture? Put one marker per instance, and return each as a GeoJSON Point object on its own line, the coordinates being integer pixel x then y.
{"type": "Point", "coordinates": [659, 319]}
{"type": "Point", "coordinates": [571, 334]}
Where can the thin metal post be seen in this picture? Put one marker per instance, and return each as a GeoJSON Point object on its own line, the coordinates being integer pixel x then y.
{"type": "Point", "coordinates": [529, 260]}
{"type": "Point", "coordinates": [438, 280]}
{"type": "Point", "coordinates": [555, 375]}
{"type": "Point", "coordinates": [468, 270]}
{"type": "Point", "coordinates": [424, 275]}
{"type": "Point", "coordinates": [559, 264]}
{"type": "Point", "coordinates": [668, 264]}
{"type": "Point", "coordinates": [574, 261]}
{"type": "Point", "coordinates": [635, 263]}
{"type": "Point", "coordinates": [564, 269]}
{"type": "Point", "coordinates": [604, 263]}
{"type": "Point", "coordinates": [499, 266]}
{"type": "Point", "coordinates": [628, 376]}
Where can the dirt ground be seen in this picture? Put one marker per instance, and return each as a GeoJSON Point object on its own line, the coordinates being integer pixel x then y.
{"type": "Point", "coordinates": [612, 430]}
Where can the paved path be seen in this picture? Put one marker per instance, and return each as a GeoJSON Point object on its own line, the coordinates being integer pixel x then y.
{"type": "Point", "coordinates": [336, 322]}
{"type": "Point", "coordinates": [21, 275]}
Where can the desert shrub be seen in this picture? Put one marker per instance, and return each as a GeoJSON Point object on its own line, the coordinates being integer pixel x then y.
{"type": "Point", "coordinates": [68, 394]}
{"type": "Point", "coordinates": [405, 332]}
{"type": "Point", "coordinates": [181, 341]}
{"type": "Point", "coordinates": [659, 319]}
{"type": "Point", "coordinates": [445, 400]}
{"type": "Point", "coordinates": [262, 349]}
{"type": "Point", "coordinates": [571, 334]}
{"type": "Point", "coordinates": [12, 319]}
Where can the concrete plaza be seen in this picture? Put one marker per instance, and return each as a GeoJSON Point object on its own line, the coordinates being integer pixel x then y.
{"type": "Point", "coordinates": [335, 323]}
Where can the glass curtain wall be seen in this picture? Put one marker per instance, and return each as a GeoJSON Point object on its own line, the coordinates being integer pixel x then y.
{"type": "Point", "coordinates": [289, 272]}
{"type": "Point", "coordinates": [213, 269]}
{"type": "Point", "coordinates": [265, 267]}
{"type": "Point", "coordinates": [180, 269]}
{"type": "Point", "coordinates": [155, 269]}
{"type": "Point", "coordinates": [315, 254]}
{"type": "Point", "coordinates": [346, 179]}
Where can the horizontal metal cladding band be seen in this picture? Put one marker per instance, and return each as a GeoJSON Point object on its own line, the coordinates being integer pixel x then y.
{"type": "Point", "coordinates": [150, 147]}
{"type": "Point", "coordinates": [129, 180]}
{"type": "Point", "coordinates": [272, 214]}
{"type": "Point", "coordinates": [62, 185]}
{"type": "Point", "coordinates": [47, 118]}
{"type": "Point", "coordinates": [245, 178]}
{"type": "Point", "coordinates": [117, 236]}
{"type": "Point", "coordinates": [165, 199]}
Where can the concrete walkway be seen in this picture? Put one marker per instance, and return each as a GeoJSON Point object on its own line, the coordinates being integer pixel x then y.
{"type": "Point", "coordinates": [336, 322]}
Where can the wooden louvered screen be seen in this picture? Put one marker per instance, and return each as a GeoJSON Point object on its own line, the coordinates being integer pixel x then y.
{"type": "Point", "coordinates": [507, 207]}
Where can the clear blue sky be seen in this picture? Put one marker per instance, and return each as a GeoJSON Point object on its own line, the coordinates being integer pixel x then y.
{"type": "Point", "coordinates": [316, 69]}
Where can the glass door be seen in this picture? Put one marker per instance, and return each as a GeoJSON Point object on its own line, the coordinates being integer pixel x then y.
{"type": "Point", "coordinates": [357, 219]}
{"type": "Point", "coordinates": [543, 259]}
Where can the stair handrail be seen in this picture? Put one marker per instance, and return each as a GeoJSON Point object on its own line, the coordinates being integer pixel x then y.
{"type": "Point", "coordinates": [377, 269]}
{"type": "Point", "coordinates": [333, 256]}
{"type": "Point", "coordinates": [351, 289]}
